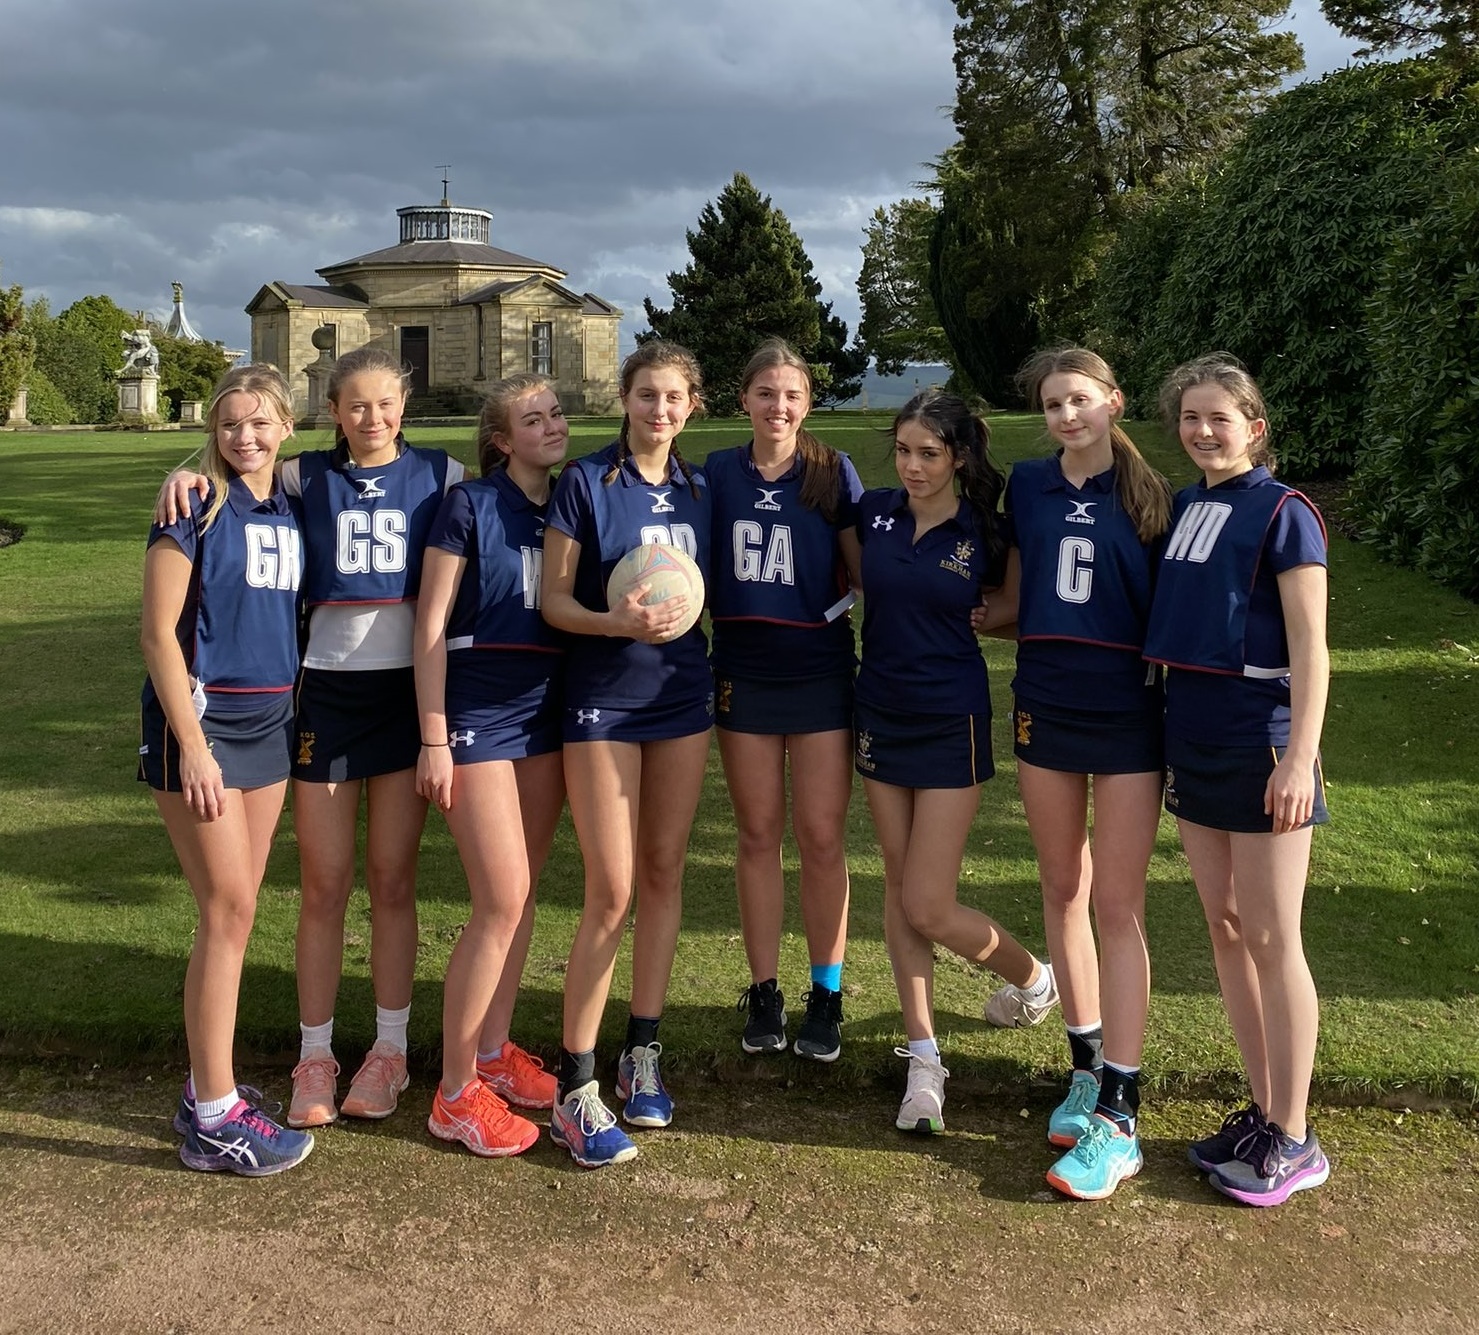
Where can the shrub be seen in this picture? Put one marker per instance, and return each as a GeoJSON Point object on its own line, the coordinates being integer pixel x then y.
{"type": "Point", "coordinates": [1416, 491]}
{"type": "Point", "coordinates": [46, 405]}
{"type": "Point", "coordinates": [1277, 263]}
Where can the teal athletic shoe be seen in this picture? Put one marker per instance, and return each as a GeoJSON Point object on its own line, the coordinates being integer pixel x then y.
{"type": "Point", "coordinates": [1071, 1118]}
{"type": "Point", "coordinates": [1103, 1158]}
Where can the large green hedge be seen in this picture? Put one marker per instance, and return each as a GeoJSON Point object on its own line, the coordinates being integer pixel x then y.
{"type": "Point", "coordinates": [1276, 261]}
{"type": "Point", "coordinates": [1417, 484]}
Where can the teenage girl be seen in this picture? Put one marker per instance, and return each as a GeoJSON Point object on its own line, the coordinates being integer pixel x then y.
{"type": "Point", "coordinates": [1087, 521]}
{"type": "Point", "coordinates": [784, 510]}
{"type": "Point", "coordinates": [1239, 619]}
{"type": "Point", "coordinates": [487, 671]}
{"type": "Point", "coordinates": [368, 505]}
{"type": "Point", "coordinates": [220, 641]}
{"type": "Point", "coordinates": [638, 708]}
{"type": "Point", "coordinates": [923, 712]}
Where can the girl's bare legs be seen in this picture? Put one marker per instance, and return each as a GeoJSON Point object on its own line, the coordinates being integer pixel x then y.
{"type": "Point", "coordinates": [819, 819]}
{"type": "Point", "coordinates": [1252, 891]}
{"type": "Point", "coordinates": [493, 856]}
{"type": "Point", "coordinates": [1126, 815]}
{"type": "Point", "coordinates": [223, 861]}
{"type": "Point", "coordinates": [541, 784]}
{"type": "Point", "coordinates": [1057, 807]}
{"type": "Point", "coordinates": [324, 817]}
{"type": "Point", "coordinates": [394, 821]}
{"type": "Point", "coordinates": [755, 770]}
{"type": "Point", "coordinates": [672, 781]}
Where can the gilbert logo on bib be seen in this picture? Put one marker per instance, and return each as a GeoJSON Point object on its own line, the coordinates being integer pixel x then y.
{"type": "Point", "coordinates": [660, 503]}
{"type": "Point", "coordinates": [369, 487]}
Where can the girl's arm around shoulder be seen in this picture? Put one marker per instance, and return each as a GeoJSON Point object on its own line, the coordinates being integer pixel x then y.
{"type": "Point", "coordinates": [996, 614]}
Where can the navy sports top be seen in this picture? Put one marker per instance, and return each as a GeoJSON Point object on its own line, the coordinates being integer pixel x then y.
{"type": "Point", "coordinates": [238, 629]}
{"type": "Point", "coordinates": [920, 654]}
{"type": "Point", "coordinates": [1085, 593]}
{"type": "Point", "coordinates": [778, 576]}
{"type": "Point", "coordinates": [1217, 620]}
{"type": "Point", "coordinates": [367, 527]}
{"type": "Point", "coordinates": [608, 520]}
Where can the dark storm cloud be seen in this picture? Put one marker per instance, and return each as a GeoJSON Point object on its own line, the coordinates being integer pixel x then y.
{"type": "Point", "coordinates": [225, 147]}
{"type": "Point", "coordinates": [228, 145]}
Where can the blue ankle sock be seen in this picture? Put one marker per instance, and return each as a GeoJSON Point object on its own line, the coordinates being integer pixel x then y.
{"type": "Point", "coordinates": [828, 976]}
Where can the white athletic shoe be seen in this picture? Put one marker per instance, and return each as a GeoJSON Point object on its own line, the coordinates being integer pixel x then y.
{"type": "Point", "coordinates": [923, 1108]}
{"type": "Point", "coordinates": [1009, 1008]}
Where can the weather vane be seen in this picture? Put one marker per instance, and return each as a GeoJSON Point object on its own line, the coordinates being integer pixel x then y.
{"type": "Point", "coordinates": [444, 168]}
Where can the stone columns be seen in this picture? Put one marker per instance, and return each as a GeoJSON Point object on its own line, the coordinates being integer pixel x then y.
{"type": "Point", "coordinates": [317, 413]}
{"type": "Point", "coordinates": [17, 414]}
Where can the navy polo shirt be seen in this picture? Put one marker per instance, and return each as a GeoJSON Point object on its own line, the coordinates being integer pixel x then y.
{"type": "Point", "coordinates": [920, 654]}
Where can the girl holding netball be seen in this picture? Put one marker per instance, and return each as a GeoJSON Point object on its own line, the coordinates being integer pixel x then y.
{"type": "Point", "coordinates": [487, 669]}
{"type": "Point", "coordinates": [219, 637]}
{"type": "Point", "coordinates": [784, 509]}
{"type": "Point", "coordinates": [1239, 620]}
{"type": "Point", "coordinates": [638, 709]}
{"type": "Point", "coordinates": [368, 505]}
{"type": "Point", "coordinates": [930, 548]}
{"type": "Point", "coordinates": [1087, 522]}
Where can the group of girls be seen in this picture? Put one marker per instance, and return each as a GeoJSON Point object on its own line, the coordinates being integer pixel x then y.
{"type": "Point", "coordinates": [477, 665]}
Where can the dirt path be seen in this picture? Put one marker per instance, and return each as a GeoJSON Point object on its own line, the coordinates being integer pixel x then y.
{"type": "Point", "coordinates": [811, 1215]}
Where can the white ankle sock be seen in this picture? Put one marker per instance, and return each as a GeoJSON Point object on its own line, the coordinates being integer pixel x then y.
{"type": "Point", "coordinates": [316, 1038]}
{"type": "Point", "coordinates": [1040, 989]}
{"type": "Point", "coordinates": [390, 1026]}
{"type": "Point", "coordinates": [210, 1113]}
{"type": "Point", "coordinates": [924, 1047]}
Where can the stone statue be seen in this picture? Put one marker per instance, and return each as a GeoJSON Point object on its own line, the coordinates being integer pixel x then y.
{"type": "Point", "coordinates": [139, 352]}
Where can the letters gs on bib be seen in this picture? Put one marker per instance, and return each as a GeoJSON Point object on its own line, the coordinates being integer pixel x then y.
{"type": "Point", "coordinates": [370, 540]}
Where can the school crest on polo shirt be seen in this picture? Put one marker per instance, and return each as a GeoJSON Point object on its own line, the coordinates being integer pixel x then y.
{"type": "Point", "coordinates": [959, 562]}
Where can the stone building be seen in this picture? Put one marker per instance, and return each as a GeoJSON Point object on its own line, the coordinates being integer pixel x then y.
{"type": "Point", "coordinates": [459, 312]}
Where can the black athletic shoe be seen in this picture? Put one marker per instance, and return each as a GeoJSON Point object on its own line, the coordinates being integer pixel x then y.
{"type": "Point", "coordinates": [820, 1038]}
{"type": "Point", "coordinates": [765, 1030]}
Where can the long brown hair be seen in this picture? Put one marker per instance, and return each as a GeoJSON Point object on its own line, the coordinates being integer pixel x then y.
{"type": "Point", "coordinates": [1228, 373]}
{"type": "Point", "coordinates": [363, 361]}
{"type": "Point", "coordinates": [273, 395]}
{"type": "Point", "coordinates": [658, 352]}
{"type": "Point", "coordinates": [1143, 492]}
{"type": "Point", "coordinates": [821, 465]}
{"type": "Point", "coordinates": [494, 419]}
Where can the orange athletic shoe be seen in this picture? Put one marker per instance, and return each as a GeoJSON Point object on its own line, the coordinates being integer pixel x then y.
{"type": "Point", "coordinates": [314, 1090]}
{"type": "Point", "coordinates": [481, 1121]}
{"type": "Point", "coordinates": [519, 1078]}
{"type": "Point", "coordinates": [377, 1085]}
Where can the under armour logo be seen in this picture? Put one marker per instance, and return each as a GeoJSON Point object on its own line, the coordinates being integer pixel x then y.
{"type": "Point", "coordinates": [767, 499]}
{"type": "Point", "coordinates": [587, 715]}
{"type": "Point", "coordinates": [880, 522]}
{"type": "Point", "coordinates": [660, 503]}
{"type": "Point", "coordinates": [461, 738]}
{"type": "Point", "coordinates": [369, 487]}
{"type": "Point", "coordinates": [1080, 513]}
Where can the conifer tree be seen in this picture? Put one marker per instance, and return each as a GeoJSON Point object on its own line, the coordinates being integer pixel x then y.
{"type": "Point", "coordinates": [750, 279]}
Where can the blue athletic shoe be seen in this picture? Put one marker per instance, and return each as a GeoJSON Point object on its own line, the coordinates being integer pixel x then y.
{"type": "Point", "coordinates": [253, 1097]}
{"type": "Point", "coordinates": [1270, 1166]}
{"type": "Point", "coordinates": [1071, 1118]}
{"type": "Point", "coordinates": [248, 1143]}
{"type": "Point", "coordinates": [1102, 1159]}
{"type": "Point", "coordinates": [639, 1083]}
{"type": "Point", "coordinates": [587, 1128]}
{"type": "Point", "coordinates": [1221, 1146]}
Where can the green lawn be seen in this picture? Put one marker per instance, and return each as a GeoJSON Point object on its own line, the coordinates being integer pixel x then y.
{"type": "Point", "coordinates": [95, 920]}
